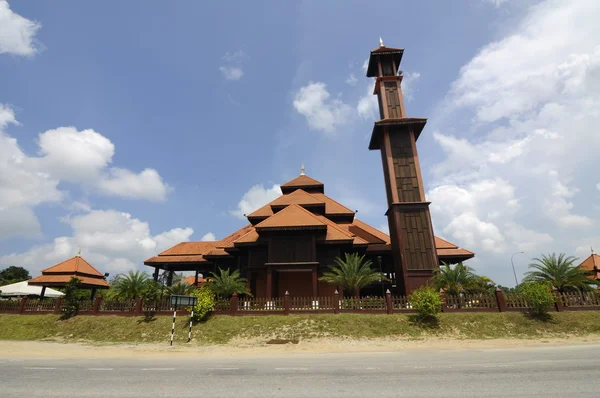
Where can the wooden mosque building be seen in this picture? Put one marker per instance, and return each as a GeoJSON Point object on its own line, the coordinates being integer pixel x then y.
{"type": "Point", "coordinates": [290, 242]}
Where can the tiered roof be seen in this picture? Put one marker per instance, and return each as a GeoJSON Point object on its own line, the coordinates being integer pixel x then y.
{"type": "Point", "coordinates": [592, 266]}
{"type": "Point", "coordinates": [61, 273]}
{"type": "Point", "coordinates": [303, 206]}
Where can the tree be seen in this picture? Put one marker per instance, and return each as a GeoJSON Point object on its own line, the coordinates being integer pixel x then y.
{"type": "Point", "coordinates": [352, 273]}
{"type": "Point", "coordinates": [13, 274]}
{"type": "Point", "coordinates": [181, 288]}
{"type": "Point", "coordinates": [481, 285]}
{"type": "Point", "coordinates": [71, 298]}
{"type": "Point", "coordinates": [560, 271]}
{"type": "Point", "coordinates": [225, 283]}
{"type": "Point", "coordinates": [130, 286]}
{"type": "Point", "coordinates": [454, 280]}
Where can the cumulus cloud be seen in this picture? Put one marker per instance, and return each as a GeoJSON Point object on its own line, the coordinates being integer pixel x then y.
{"type": "Point", "coordinates": [65, 154]}
{"type": "Point", "coordinates": [17, 34]}
{"type": "Point", "coordinates": [321, 112]}
{"type": "Point", "coordinates": [351, 80]}
{"type": "Point", "coordinates": [110, 240]}
{"type": "Point", "coordinates": [255, 198]}
{"type": "Point", "coordinates": [208, 237]}
{"type": "Point", "coordinates": [532, 99]}
{"type": "Point", "coordinates": [231, 72]}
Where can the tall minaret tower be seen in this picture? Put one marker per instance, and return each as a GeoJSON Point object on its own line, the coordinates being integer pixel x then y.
{"type": "Point", "coordinates": [395, 135]}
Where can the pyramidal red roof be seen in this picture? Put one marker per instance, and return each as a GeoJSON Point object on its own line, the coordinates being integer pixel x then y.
{"type": "Point", "coordinates": [299, 197]}
{"type": "Point", "coordinates": [73, 265]}
{"type": "Point", "coordinates": [292, 217]}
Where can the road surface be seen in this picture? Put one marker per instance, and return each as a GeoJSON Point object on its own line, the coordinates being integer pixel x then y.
{"type": "Point", "coordinates": [542, 371]}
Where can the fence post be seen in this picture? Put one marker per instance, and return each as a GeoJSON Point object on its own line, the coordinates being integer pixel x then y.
{"type": "Point", "coordinates": [388, 302]}
{"type": "Point", "coordinates": [138, 306]}
{"type": "Point", "coordinates": [286, 303]}
{"type": "Point", "coordinates": [96, 305]}
{"type": "Point", "coordinates": [22, 304]}
{"type": "Point", "coordinates": [500, 300]}
{"type": "Point", "coordinates": [336, 302]}
{"type": "Point", "coordinates": [444, 302]}
{"type": "Point", "coordinates": [558, 303]}
{"type": "Point", "coordinates": [234, 303]}
{"type": "Point", "coordinates": [58, 305]}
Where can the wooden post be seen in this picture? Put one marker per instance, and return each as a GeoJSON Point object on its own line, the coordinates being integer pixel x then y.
{"type": "Point", "coordinates": [96, 306]}
{"type": "Point", "coordinates": [336, 302]}
{"type": "Point", "coordinates": [286, 303]}
{"type": "Point", "coordinates": [170, 278]}
{"type": "Point", "coordinates": [388, 302]}
{"type": "Point", "coordinates": [43, 293]}
{"type": "Point", "coordinates": [234, 303]}
{"type": "Point", "coordinates": [444, 302]}
{"type": "Point", "coordinates": [315, 281]}
{"type": "Point", "coordinates": [196, 279]}
{"type": "Point", "coordinates": [500, 300]}
{"type": "Point", "coordinates": [138, 306]}
{"type": "Point", "coordinates": [269, 290]}
{"type": "Point", "coordinates": [22, 304]}
{"type": "Point", "coordinates": [558, 303]}
{"type": "Point", "coordinates": [58, 305]}
{"type": "Point", "coordinates": [155, 275]}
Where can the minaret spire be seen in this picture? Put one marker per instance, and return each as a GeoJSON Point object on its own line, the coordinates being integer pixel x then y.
{"type": "Point", "coordinates": [302, 173]}
{"type": "Point", "coordinates": [381, 42]}
{"type": "Point", "coordinates": [79, 253]}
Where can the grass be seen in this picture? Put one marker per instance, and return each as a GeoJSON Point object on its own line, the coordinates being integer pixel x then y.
{"type": "Point", "coordinates": [223, 329]}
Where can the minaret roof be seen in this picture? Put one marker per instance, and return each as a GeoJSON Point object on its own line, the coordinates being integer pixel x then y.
{"type": "Point", "coordinates": [383, 50]}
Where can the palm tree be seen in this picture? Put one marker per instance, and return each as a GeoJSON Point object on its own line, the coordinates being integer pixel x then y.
{"type": "Point", "coordinates": [560, 271]}
{"type": "Point", "coordinates": [352, 273]}
{"type": "Point", "coordinates": [482, 285]}
{"type": "Point", "coordinates": [454, 280]}
{"type": "Point", "coordinates": [181, 288]}
{"type": "Point", "coordinates": [226, 283]}
{"type": "Point", "coordinates": [130, 286]}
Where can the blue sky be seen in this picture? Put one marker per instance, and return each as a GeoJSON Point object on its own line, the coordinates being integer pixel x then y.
{"type": "Point", "coordinates": [128, 127]}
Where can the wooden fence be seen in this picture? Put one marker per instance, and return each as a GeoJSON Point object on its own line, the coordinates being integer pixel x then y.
{"type": "Point", "coordinates": [336, 304]}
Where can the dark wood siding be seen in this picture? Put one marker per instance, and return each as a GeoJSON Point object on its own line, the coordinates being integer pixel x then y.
{"type": "Point", "coordinates": [258, 256]}
{"type": "Point", "coordinates": [405, 169]}
{"type": "Point", "coordinates": [418, 250]}
{"type": "Point", "coordinates": [291, 248]}
{"type": "Point", "coordinates": [393, 100]}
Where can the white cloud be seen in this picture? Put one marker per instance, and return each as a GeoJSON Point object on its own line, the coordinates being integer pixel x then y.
{"type": "Point", "coordinates": [408, 81]}
{"type": "Point", "coordinates": [322, 113]}
{"type": "Point", "coordinates": [65, 154]}
{"type": "Point", "coordinates": [598, 186]}
{"type": "Point", "coordinates": [529, 106]}
{"type": "Point", "coordinates": [110, 240]}
{"type": "Point", "coordinates": [351, 80]}
{"type": "Point", "coordinates": [208, 237]}
{"type": "Point", "coordinates": [147, 184]}
{"type": "Point", "coordinates": [17, 34]}
{"type": "Point", "coordinates": [496, 3]}
{"type": "Point", "coordinates": [255, 198]}
{"type": "Point", "coordinates": [231, 72]}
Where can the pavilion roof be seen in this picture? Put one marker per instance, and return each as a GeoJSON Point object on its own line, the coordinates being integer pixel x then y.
{"type": "Point", "coordinates": [75, 264]}
{"type": "Point", "coordinates": [61, 273]}
{"type": "Point", "coordinates": [591, 264]}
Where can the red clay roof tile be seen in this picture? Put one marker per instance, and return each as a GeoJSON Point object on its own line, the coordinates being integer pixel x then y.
{"type": "Point", "coordinates": [293, 216]}
{"type": "Point", "coordinates": [74, 264]}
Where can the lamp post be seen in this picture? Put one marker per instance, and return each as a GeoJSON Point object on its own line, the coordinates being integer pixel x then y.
{"type": "Point", "coordinates": [513, 267]}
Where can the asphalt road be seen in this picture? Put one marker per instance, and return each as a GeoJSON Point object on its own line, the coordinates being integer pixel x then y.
{"type": "Point", "coordinates": [558, 371]}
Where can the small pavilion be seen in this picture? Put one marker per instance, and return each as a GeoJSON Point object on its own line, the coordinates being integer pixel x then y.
{"type": "Point", "coordinates": [60, 274]}
{"type": "Point", "coordinates": [592, 266]}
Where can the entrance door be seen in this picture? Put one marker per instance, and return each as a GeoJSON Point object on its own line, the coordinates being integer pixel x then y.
{"type": "Point", "coordinates": [297, 282]}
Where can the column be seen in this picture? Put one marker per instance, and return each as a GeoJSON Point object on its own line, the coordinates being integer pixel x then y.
{"type": "Point", "coordinates": [155, 275]}
{"type": "Point", "coordinates": [269, 290]}
{"type": "Point", "coordinates": [170, 278]}
{"type": "Point", "coordinates": [315, 281]}
{"type": "Point", "coordinates": [43, 293]}
{"type": "Point", "coordinates": [196, 279]}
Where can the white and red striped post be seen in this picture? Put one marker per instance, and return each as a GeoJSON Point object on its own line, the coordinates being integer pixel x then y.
{"type": "Point", "coordinates": [190, 331]}
{"type": "Point", "coordinates": [173, 327]}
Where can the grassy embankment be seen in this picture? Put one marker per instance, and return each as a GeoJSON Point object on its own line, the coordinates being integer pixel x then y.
{"type": "Point", "coordinates": [220, 330]}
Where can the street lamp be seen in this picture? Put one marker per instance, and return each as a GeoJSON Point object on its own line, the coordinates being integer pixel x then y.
{"type": "Point", "coordinates": [513, 267]}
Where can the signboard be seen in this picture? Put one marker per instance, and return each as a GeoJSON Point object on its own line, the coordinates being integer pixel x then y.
{"type": "Point", "coordinates": [183, 301]}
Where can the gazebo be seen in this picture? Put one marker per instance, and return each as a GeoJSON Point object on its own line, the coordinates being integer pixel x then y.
{"type": "Point", "coordinates": [60, 274]}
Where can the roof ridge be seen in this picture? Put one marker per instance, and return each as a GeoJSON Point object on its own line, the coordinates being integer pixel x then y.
{"type": "Point", "coordinates": [336, 202]}
{"type": "Point", "coordinates": [286, 209]}
{"type": "Point", "coordinates": [345, 232]}
{"type": "Point", "coordinates": [450, 243]}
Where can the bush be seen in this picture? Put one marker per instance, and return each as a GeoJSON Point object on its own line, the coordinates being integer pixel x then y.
{"type": "Point", "coordinates": [151, 294]}
{"type": "Point", "coordinates": [206, 303]}
{"type": "Point", "coordinates": [427, 301]}
{"type": "Point", "coordinates": [538, 295]}
{"type": "Point", "coordinates": [71, 298]}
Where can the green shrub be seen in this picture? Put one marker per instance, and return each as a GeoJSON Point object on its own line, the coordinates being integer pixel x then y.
{"type": "Point", "coordinates": [151, 293]}
{"type": "Point", "coordinates": [71, 298]}
{"type": "Point", "coordinates": [206, 303]}
{"type": "Point", "coordinates": [538, 295]}
{"type": "Point", "coordinates": [427, 301]}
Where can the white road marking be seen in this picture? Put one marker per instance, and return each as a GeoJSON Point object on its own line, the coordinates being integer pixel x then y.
{"type": "Point", "coordinates": [223, 368]}
{"type": "Point", "coordinates": [100, 369]}
{"type": "Point", "coordinates": [158, 368]}
{"type": "Point", "coordinates": [291, 368]}
{"type": "Point", "coordinates": [36, 368]}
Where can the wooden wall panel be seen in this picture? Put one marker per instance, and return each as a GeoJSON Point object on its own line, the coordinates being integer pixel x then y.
{"type": "Point", "coordinates": [405, 170]}
{"type": "Point", "coordinates": [291, 248]}
{"type": "Point", "coordinates": [419, 250]}
{"type": "Point", "coordinates": [394, 110]}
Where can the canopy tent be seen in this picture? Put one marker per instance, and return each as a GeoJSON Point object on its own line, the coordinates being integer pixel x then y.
{"type": "Point", "coordinates": [24, 289]}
